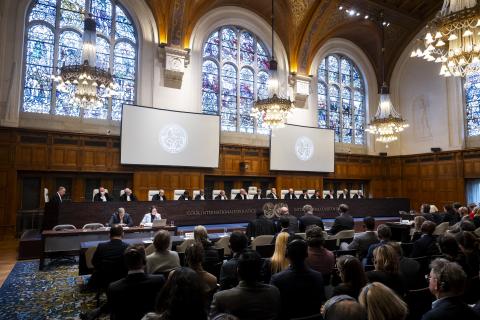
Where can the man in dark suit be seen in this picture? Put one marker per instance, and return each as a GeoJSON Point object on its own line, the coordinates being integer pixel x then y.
{"type": "Point", "coordinates": [200, 196]}
{"type": "Point", "coordinates": [304, 195]}
{"type": "Point", "coordinates": [447, 284]}
{"type": "Point", "coordinates": [290, 195]}
{"type": "Point", "coordinates": [384, 235]}
{"type": "Point", "coordinates": [258, 195]}
{"type": "Point", "coordinates": [364, 240]}
{"type": "Point", "coordinates": [228, 273]}
{"type": "Point", "coordinates": [293, 226]}
{"type": "Point", "coordinates": [185, 196]}
{"type": "Point", "coordinates": [316, 195]}
{"type": "Point", "coordinates": [121, 217]}
{"type": "Point", "coordinates": [242, 195]}
{"type": "Point", "coordinates": [272, 194]}
{"type": "Point", "coordinates": [102, 196]}
{"type": "Point", "coordinates": [358, 195]}
{"type": "Point", "coordinates": [260, 226]}
{"type": "Point", "coordinates": [301, 289]}
{"type": "Point", "coordinates": [58, 196]}
{"type": "Point", "coordinates": [221, 196]}
{"type": "Point", "coordinates": [330, 195]}
{"type": "Point", "coordinates": [409, 269]}
{"type": "Point", "coordinates": [427, 244]}
{"type": "Point", "coordinates": [309, 219]}
{"type": "Point", "coordinates": [251, 299]}
{"type": "Point", "coordinates": [344, 195]}
{"type": "Point", "coordinates": [128, 196]}
{"type": "Point", "coordinates": [342, 222]}
{"type": "Point", "coordinates": [159, 196]}
{"type": "Point", "coordinates": [133, 296]}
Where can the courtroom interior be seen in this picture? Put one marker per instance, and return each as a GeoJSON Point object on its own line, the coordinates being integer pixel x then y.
{"type": "Point", "coordinates": [240, 159]}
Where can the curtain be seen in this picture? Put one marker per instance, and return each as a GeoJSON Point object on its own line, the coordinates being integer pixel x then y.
{"type": "Point", "coordinates": [473, 191]}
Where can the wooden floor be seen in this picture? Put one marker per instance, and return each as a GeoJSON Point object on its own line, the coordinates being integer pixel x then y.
{"type": "Point", "coordinates": [8, 257]}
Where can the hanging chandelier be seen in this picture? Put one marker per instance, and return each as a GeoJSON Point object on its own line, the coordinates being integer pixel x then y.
{"type": "Point", "coordinates": [274, 110]}
{"type": "Point", "coordinates": [387, 123]}
{"type": "Point", "coordinates": [453, 39]}
{"type": "Point", "coordinates": [92, 84]}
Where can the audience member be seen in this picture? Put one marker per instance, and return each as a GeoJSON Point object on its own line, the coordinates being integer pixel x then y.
{"type": "Point", "coordinates": [284, 223]}
{"type": "Point", "coordinates": [160, 196]}
{"type": "Point", "coordinates": [293, 221]}
{"type": "Point", "coordinates": [468, 244]}
{"type": "Point", "coordinates": [387, 269]}
{"type": "Point", "coordinates": [301, 288]}
{"type": "Point", "coordinates": [427, 244]}
{"type": "Point", "coordinates": [450, 215]}
{"type": "Point", "coordinates": [450, 249]}
{"type": "Point", "coordinates": [476, 217]}
{"type": "Point", "coordinates": [342, 222]}
{"type": "Point", "coordinates": [384, 235]}
{"type": "Point", "coordinates": [309, 219]}
{"type": "Point", "coordinates": [212, 257]}
{"type": "Point", "coordinates": [250, 299]}
{"type": "Point", "coordinates": [228, 273]}
{"type": "Point", "coordinates": [319, 258]}
{"type": "Point", "coordinates": [425, 212]}
{"type": "Point", "coordinates": [127, 195]}
{"type": "Point", "coordinates": [132, 297]}
{"type": "Point", "coordinates": [151, 216]}
{"type": "Point", "coordinates": [352, 275]}
{"type": "Point", "coordinates": [278, 262]}
{"type": "Point", "coordinates": [162, 260]}
{"type": "Point", "coordinates": [260, 226]}
{"type": "Point", "coordinates": [471, 210]}
{"type": "Point", "coordinates": [437, 216]}
{"type": "Point", "coordinates": [447, 284]}
{"type": "Point", "coordinates": [120, 217]}
{"type": "Point", "coordinates": [102, 196]}
{"type": "Point", "coordinates": [361, 242]}
{"type": "Point", "coordinates": [343, 307]}
{"type": "Point", "coordinates": [194, 257]}
{"type": "Point", "coordinates": [417, 227]}
{"type": "Point", "coordinates": [382, 303]}
{"type": "Point", "coordinates": [409, 268]}
{"type": "Point", "coordinates": [182, 297]}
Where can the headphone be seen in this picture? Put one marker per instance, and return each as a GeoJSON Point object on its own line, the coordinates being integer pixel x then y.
{"type": "Point", "coordinates": [330, 303]}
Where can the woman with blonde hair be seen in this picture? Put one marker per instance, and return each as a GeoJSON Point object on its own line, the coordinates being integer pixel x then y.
{"type": "Point", "coordinates": [387, 264]}
{"type": "Point", "coordinates": [382, 303]}
{"type": "Point", "coordinates": [278, 262]}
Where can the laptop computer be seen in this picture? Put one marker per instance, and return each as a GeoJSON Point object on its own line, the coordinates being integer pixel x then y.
{"type": "Point", "coordinates": [159, 223]}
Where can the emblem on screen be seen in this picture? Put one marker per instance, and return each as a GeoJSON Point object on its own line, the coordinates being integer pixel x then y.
{"type": "Point", "coordinates": [304, 148]}
{"type": "Point", "coordinates": [173, 138]}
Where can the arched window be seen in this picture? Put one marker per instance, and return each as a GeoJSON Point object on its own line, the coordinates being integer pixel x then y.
{"type": "Point", "coordinates": [341, 99]}
{"type": "Point", "coordinates": [234, 75]}
{"type": "Point", "coordinates": [53, 38]}
{"type": "Point", "coordinates": [472, 100]}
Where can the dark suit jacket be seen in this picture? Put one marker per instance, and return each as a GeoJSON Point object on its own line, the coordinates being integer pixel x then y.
{"type": "Point", "coordinates": [108, 262]}
{"type": "Point", "coordinates": [55, 199]}
{"type": "Point", "coordinates": [451, 218]}
{"type": "Point", "coordinates": [219, 197]}
{"type": "Point", "coordinates": [182, 197]}
{"type": "Point", "coordinates": [356, 196]}
{"type": "Point", "coordinates": [303, 197]}
{"type": "Point", "coordinates": [257, 196]}
{"type": "Point", "coordinates": [393, 281]}
{"type": "Point", "coordinates": [132, 297]}
{"type": "Point", "coordinates": [157, 197]}
{"type": "Point", "coordinates": [260, 226]}
{"type": "Point", "coordinates": [240, 197]}
{"type": "Point", "coordinates": [199, 197]}
{"type": "Point", "coordinates": [425, 246]}
{"type": "Point", "coordinates": [328, 197]}
{"type": "Point", "coordinates": [289, 196]}
{"type": "Point", "coordinates": [123, 197]}
{"type": "Point", "coordinates": [343, 222]}
{"type": "Point", "coordinates": [452, 308]}
{"type": "Point", "coordinates": [270, 196]}
{"type": "Point", "coordinates": [309, 220]}
{"type": "Point", "coordinates": [301, 291]}
{"type": "Point", "coordinates": [115, 219]}
{"type": "Point", "coordinates": [228, 273]}
{"type": "Point", "coordinates": [248, 301]}
{"type": "Point", "coordinates": [315, 197]}
{"type": "Point", "coordinates": [362, 242]}
{"type": "Point", "coordinates": [411, 274]}
{"type": "Point", "coordinates": [98, 198]}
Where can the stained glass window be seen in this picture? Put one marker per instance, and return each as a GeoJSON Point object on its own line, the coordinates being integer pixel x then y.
{"type": "Point", "coordinates": [48, 47]}
{"type": "Point", "coordinates": [341, 99]}
{"type": "Point", "coordinates": [234, 75]}
{"type": "Point", "coordinates": [472, 99]}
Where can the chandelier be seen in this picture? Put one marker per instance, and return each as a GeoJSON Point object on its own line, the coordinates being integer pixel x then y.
{"type": "Point", "coordinates": [274, 110]}
{"type": "Point", "coordinates": [387, 122]}
{"type": "Point", "coordinates": [453, 39]}
{"type": "Point", "coordinates": [92, 84]}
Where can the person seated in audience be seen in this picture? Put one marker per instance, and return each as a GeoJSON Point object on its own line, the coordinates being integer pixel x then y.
{"type": "Point", "coordinates": [58, 196]}
{"type": "Point", "coordinates": [242, 195]}
{"type": "Point", "coordinates": [384, 234]}
{"type": "Point", "coordinates": [471, 210]}
{"type": "Point", "coordinates": [450, 249]}
{"type": "Point", "coordinates": [469, 246]}
{"type": "Point", "coordinates": [447, 284]}
{"type": "Point", "coordinates": [185, 196]}
{"type": "Point", "coordinates": [290, 195]}
{"type": "Point", "coordinates": [238, 242]}
{"type": "Point", "coordinates": [382, 303]}
{"type": "Point", "coordinates": [476, 217]}
{"type": "Point", "coordinates": [151, 216]}
{"type": "Point", "coordinates": [425, 212]}
{"type": "Point", "coordinates": [343, 307]}
{"type": "Point", "coordinates": [293, 225]}
{"type": "Point", "coordinates": [258, 195]}
{"type": "Point", "coordinates": [450, 215]}
{"type": "Point", "coordinates": [465, 224]}
{"type": "Point", "coordinates": [162, 260]}
{"type": "Point", "coordinates": [194, 255]}
{"type": "Point", "coordinates": [102, 196]}
{"type": "Point", "coordinates": [128, 196]}
{"type": "Point", "coordinates": [200, 196]}
{"type": "Point", "coordinates": [284, 228]}
{"type": "Point", "coordinates": [358, 195]}
{"type": "Point", "coordinates": [221, 196]}
{"type": "Point", "coordinates": [352, 275]}
{"type": "Point", "coordinates": [427, 244]}
{"type": "Point", "coordinates": [409, 269]}
{"type": "Point", "coordinates": [301, 288]}
{"type": "Point", "coordinates": [250, 299]}
{"type": "Point", "coordinates": [437, 216]}
{"type": "Point", "coordinates": [212, 257]}
{"type": "Point", "coordinates": [417, 227]}
{"type": "Point", "coordinates": [278, 262]}
{"type": "Point", "coordinates": [272, 194]}
{"type": "Point", "coordinates": [182, 297]}
{"type": "Point", "coordinates": [260, 226]}
{"type": "Point", "coordinates": [362, 241]}
{"type": "Point", "coordinates": [133, 296]}
{"type": "Point", "coordinates": [120, 217]}
{"type": "Point", "coordinates": [387, 269]}
{"type": "Point", "coordinates": [319, 258]}
{"type": "Point", "coordinates": [342, 222]}
{"type": "Point", "coordinates": [309, 219]}
{"type": "Point", "coordinates": [160, 196]}
{"type": "Point", "coordinates": [316, 195]}
{"type": "Point", "coordinates": [304, 195]}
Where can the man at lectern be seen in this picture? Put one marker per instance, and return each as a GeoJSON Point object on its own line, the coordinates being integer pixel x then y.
{"type": "Point", "coordinates": [128, 196]}
{"type": "Point", "coordinates": [273, 194]}
{"type": "Point", "coordinates": [160, 196]}
{"type": "Point", "coordinates": [242, 195]}
{"type": "Point", "coordinates": [290, 195]}
{"type": "Point", "coordinates": [304, 195]}
{"type": "Point", "coordinates": [185, 196]}
{"type": "Point", "coordinates": [200, 196]}
{"type": "Point", "coordinates": [221, 196]}
{"type": "Point", "coordinates": [102, 196]}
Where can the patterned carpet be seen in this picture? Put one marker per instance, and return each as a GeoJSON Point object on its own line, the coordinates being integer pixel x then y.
{"type": "Point", "coordinates": [36, 295]}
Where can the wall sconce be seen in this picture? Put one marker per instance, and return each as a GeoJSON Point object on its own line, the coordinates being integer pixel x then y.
{"type": "Point", "coordinates": [175, 61]}
{"type": "Point", "coordinates": [301, 88]}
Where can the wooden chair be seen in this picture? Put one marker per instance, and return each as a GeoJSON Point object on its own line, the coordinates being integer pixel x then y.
{"type": "Point", "coordinates": [223, 243]}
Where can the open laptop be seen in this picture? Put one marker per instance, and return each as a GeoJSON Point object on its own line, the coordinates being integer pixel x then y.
{"type": "Point", "coordinates": [159, 223]}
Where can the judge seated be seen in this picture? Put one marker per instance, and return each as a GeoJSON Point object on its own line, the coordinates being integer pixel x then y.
{"type": "Point", "coordinates": [221, 196]}
{"type": "Point", "coordinates": [258, 195]}
{"type": "Point", "coordinates": [151, 216]}
{"type": "Point", "coordinates": [272, 194]}
{"type": "Point", "coordinates": [304, 195]}
{"type": "Point", "coordinates": [242, 195]}
{"type": "Point", "coordinates": [290, 195]}
{"type": "Point", "coordinates": [102, 196]}
{"type": "Point", "coordinates": [121, 218]}
{"type": "Point", "coordinates": [128, 196]}
{"type": "Point", "coordinates": [159, 196]}
{"type": "Point", "coordinates": [344, 195]}
{"type": "Point", "coordinates": [330, 195]}
{"type": "Point", "coordinates": [200, 196]}
{"type": "Point", "coordinates": [185, 196]}
{"type": "Point", "coordinates": [316, 195]}
{"type": "Point", "coordinates": [358, 195]}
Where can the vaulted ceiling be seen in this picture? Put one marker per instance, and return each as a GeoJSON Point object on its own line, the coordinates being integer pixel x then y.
{"type": "Point", "coordinates": [304, 25]}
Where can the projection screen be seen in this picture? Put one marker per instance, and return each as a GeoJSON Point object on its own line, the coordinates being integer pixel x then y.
{"type": "Point", "coordinates": [296, 148]}
{"type": "Point", "coordinates": [152, 136]}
